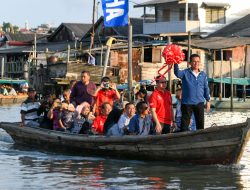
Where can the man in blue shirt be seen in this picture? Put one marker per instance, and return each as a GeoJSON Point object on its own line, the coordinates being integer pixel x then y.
{"type": "Point", "coordinates": [195, 92]}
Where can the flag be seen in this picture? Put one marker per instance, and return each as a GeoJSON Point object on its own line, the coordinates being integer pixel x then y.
{"type": "Point", "coordinates": [115, 12]}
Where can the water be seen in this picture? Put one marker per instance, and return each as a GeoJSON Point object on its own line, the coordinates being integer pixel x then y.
{"type": "Point", "coordinates": [24, 168]}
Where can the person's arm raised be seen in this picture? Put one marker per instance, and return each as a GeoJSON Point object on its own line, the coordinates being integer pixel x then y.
{"type": "Point", "coordinates": [178, 73]}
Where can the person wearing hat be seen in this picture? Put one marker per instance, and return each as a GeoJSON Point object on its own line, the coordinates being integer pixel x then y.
{"type": "Point", "coordinates": [160, 102]}
{"type": "Point", "coordinates": [29, 108]}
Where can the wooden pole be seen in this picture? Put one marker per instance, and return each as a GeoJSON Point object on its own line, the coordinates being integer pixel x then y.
{"type": "Point", "coordinates": [2, 71]}
{"type": "Point", "coordinates": [169, 73]}
{"type": "Point", "coordinates": [68, 53]}
{"type": "Point", "coordinates": [101, 56]}
{"type": "Point", "coordinates": [232, 90]}
{"type": "Point", "coordinates": [221, 87]}
{"type": "Point", "coordinates": [189, 48]}
{"type": "Point", "coordinates": [130, 61]}
{"type": "Point", "coordinates": [244, 93]}
{"type": "Point", "coordinates": [93, 27]}
{"type": "Point", "coordinates": [35, 82]}
{"type": "Point", "coordinates": [109, 44]}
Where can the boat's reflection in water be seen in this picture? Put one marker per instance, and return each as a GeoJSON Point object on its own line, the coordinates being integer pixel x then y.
{"type": "Point", "coordinates": [99, 173]}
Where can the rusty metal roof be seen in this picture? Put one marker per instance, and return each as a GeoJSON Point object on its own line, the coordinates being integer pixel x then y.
{"type": "Point", "coordinates": [218, 42]}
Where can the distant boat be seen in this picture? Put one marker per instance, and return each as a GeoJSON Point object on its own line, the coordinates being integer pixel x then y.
{"type": "Point", "coordinates": [214, 145]}
{"type": "Point", "coordinates": [11, 99]}
{"type": "Point", "coordinates": [225, 103]}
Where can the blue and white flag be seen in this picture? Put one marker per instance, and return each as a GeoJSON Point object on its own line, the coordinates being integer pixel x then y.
{"type": "Point", "coordinates": [115, 12]}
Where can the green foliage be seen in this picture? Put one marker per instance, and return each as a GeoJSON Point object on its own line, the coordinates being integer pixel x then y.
{"type": "Point", "coordinates": [8, 27]}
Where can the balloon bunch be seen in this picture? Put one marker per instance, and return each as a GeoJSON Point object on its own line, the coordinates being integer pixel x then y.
{"type": "Point", "coordinates": [173, 55]}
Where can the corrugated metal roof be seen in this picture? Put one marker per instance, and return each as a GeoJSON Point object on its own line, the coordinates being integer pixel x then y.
{"type": "Point", "coordinates": [54, 47]}
{"type": "Point", "coordinates": [137, 24]}
{"type": "Point", "coordinates": [219, 42]}
{"type": "Point", "coordinates": [239, 27]}
{"type": "Point", "coordinates": [154, 2]}
{"type": "Point", "coordinates": [78, 29]}
{"type": "Point", "coordinates": [20, 37]}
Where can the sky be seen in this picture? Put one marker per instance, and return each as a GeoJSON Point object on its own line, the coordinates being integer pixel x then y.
{"type": "Point", "coordinates": [53, 12]}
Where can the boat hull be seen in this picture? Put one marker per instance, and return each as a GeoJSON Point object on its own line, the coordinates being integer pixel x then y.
{"type": "Point", "coordinates": [215, 145]}
{"type": "Point", "coordinates": [12, 100]}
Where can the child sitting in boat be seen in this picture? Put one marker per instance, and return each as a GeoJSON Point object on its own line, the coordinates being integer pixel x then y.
{"type": "Point", "coordinates": [178, 114]}
{"type": "Point", "coordinates": [98, 125]}
{"type": "Point", "coordinates": [83, 119]}
{"type": "Point", "coordinates": [141, 123]}
{"type": "Point", "coordinates": [55, 114]}
{"type": "Point", "coordinates": [121, 128]}
{"type": "Point", "coordinates": [68, 110]}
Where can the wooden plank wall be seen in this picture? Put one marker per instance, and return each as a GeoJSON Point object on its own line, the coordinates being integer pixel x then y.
{"type": "Point", "coordinates": [74, 70]}
{"type": "Point", "coordinates": [119, 58]}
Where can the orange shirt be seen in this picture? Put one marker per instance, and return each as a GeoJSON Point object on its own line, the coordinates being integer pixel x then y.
{"type": "Point", "coordinates": [162, 102]}
{"type": "Point", "coordinates": [98, 124]}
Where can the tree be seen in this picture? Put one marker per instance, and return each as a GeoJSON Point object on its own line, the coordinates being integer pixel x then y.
{"type": "Point", "coordinates": [8, 27]}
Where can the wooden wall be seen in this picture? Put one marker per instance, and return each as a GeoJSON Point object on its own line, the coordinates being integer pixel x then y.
{"type": "Point", "coordinates": [74, 70]}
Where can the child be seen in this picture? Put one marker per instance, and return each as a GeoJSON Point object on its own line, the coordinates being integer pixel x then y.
{"type": "Point", "coordinates": [55, 114]}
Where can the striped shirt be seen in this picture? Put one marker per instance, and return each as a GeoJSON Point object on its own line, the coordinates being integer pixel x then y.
{"type": "Point", "coordinates": [29, 109]}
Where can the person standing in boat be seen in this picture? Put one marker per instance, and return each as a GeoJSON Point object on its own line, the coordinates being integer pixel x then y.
{"type": "Point", "coordinates": [160, 102]}
{"type": "Point", "coordinates": [195, 91]}
{"type": "Point", "coordinates": [29, 110]}
{"type": "Point", "coordinates": [178, 114]}
{"type": "Point", "coordinates": [83, 90]}
{"type": "Point", "coordinates": [106, 92]}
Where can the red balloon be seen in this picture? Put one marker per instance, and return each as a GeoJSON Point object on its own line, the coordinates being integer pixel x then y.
{"type": "Point", "coordinates": [173, 54]}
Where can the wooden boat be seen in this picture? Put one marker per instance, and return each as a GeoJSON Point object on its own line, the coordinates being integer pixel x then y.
{"type": "Point", "coordinates": [9, 100]}
{"type": "Point", "coordinates": [214, 145]}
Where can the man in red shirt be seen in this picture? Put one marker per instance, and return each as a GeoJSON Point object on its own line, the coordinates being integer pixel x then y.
{"type": "Point", "coordinates": [98, 124]}
{"type": "Point", "coordinates": [106, 92]}
{"type": "Point", "coordinates": [160, 102]}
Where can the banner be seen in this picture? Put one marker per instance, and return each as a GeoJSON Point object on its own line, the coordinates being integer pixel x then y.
{"type": "Point", "coordinates": [115, 12]}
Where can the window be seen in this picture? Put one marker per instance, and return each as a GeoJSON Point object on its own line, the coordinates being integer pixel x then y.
{"type": "Point", "coordinates": [148, 55]}
{"type": "Point", "coordinates": [163, 15]}
{"type": "Point", "coordinates": [216, 15]}
{"type": "Point", "coordinates": [182, 14]}
{"type": "Point", "coordinates": [227, 54]}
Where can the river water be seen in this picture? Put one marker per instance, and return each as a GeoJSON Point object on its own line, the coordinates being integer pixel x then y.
{"type": "Point", "coordinates": [23, 168]}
